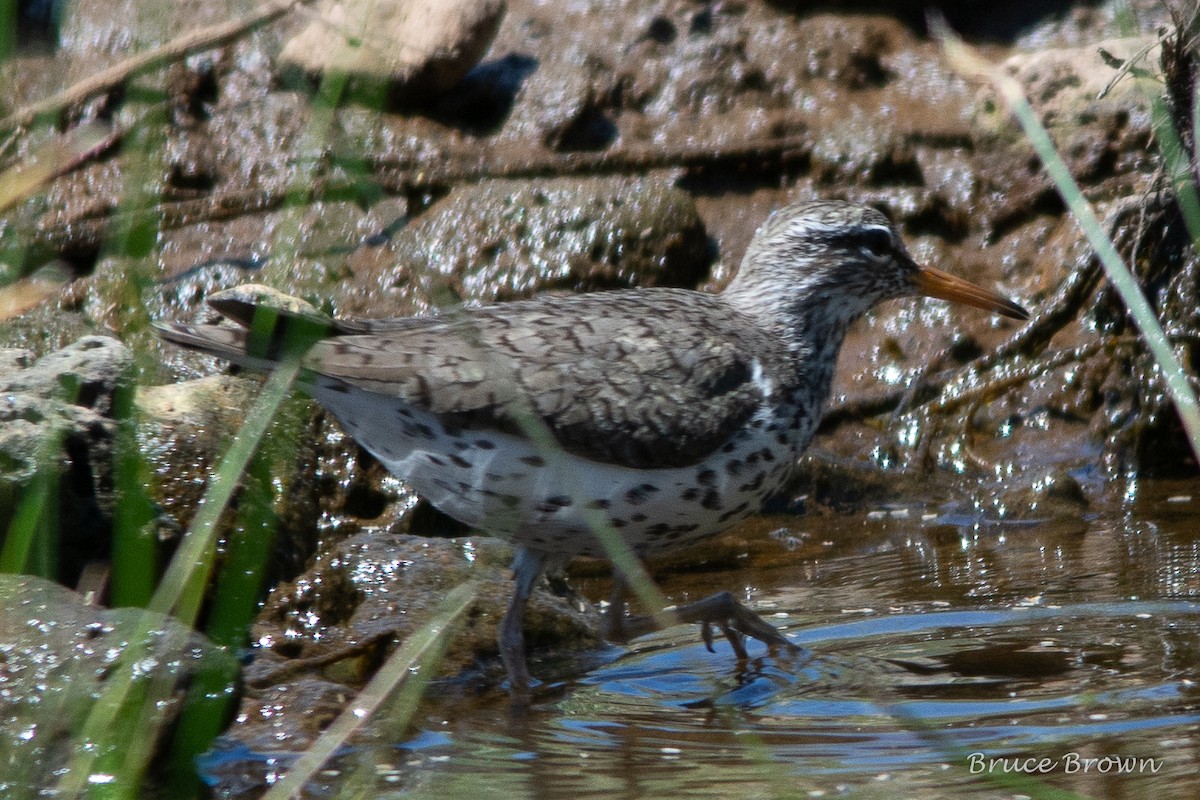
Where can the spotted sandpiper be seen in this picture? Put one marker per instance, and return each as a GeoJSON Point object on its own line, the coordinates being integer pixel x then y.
{"type": "Point", "coordinates": [667, 414]}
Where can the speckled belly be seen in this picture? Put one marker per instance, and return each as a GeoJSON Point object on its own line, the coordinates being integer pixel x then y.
{"type": "Point", "coordinates": [552, 501]}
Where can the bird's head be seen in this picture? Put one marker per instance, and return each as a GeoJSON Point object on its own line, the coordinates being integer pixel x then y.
{"type": "Point", "coordinates": [837, 260]}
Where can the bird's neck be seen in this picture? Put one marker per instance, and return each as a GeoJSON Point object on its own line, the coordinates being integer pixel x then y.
{"type": "Point", "coordinates": [814, 340]}
{"type": "Point", "coordinates": [811, 321]}
{"type": "Point", "coordinates": [811, 324]}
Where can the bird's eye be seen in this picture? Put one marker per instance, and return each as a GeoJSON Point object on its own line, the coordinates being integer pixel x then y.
{"type": "Point", "coordinates": [876, 242]}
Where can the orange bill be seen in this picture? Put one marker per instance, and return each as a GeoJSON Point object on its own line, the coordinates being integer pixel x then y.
{"type": "Point", "coordinates": [944, 286]}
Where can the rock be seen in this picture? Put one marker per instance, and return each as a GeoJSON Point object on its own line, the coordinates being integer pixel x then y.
{"type": "Point", "coordinates": [288, 715]}
{"type": "Point", "coordinates": [506, 239]}
{"type": "Point", "coordinates": [14, 359]}
{"type": "Point", "coordinates": [25, 293]}
{"type": "Point", "coordinates": [1064, 84]}
{"type": "Point", "coordinates": [1049, 495]}
{"type": "Point", "coordinates": [57, 435]}
{"type": "Point", "coordinates": [183, 431]}
{"type": "Point", "coordinates": [574, 117]}
{"type": "Point", "coordinates": [85, 373]}
{"type": "Point", "coordinates": [417, 48]}
{"type": "Point", "coordinates": [59, 654]}
{"type": "Point", "coordinates": [864, 150]}
{"type": "Point", "coordinates": [323, 635]}
{"type": "Point", "coordinates": [182, 428]}
{"type": "Point", "coordinates": [383, 586]}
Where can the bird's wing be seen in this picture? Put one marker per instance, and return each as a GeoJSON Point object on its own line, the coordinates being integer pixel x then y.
{"type": "Point", "coordinates": [647, 378]}
{"type": "Point", "coordinates": [652, 378]}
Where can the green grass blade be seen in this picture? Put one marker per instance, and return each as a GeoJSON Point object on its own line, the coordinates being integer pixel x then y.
{"type": "Point", "coordinates": [1175, 163]}
{"type": "Point", "coordinates": [181, 590]}
{"type": "Point", "coordinates": [182, 587]}
{"type": "Point", "coordinates": [25, 531]}
{"type": "Point", "coordinates": [135, 545]}
{"type": "Point", "coordinates": [1174, 375]}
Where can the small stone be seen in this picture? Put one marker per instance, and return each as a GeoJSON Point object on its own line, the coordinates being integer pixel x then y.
{"type": "Point", "coordinates": [84, 373]}
{"type": "Point", "coordinates": [1070, 85]}
{"type": "Point", "coordinates": [418, 48]}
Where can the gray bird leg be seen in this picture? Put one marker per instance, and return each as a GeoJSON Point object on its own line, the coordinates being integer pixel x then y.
{"type": "Point", "coordinates": [614, 618]}
{"type": "Point", "coordinates": [527, 568]}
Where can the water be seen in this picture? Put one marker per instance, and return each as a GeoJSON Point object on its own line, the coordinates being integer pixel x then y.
{"type": "Point", "coordinates": [946, 655]}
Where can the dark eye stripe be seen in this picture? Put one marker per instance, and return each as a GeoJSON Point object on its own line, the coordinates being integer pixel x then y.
{"type": "Point", "coordinates": [877, 240]}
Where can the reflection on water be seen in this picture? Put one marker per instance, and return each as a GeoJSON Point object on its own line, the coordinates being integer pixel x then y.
{"type": "Point", "coordinates": [945, 656]}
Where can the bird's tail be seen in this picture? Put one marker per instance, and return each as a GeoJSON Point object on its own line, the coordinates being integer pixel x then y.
{"type": "Point", "coordinates": [268, 323]}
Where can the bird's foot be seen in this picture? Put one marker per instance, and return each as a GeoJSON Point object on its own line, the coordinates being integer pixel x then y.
{"type": "Point", "coordinates": [735, 621]}
{"type": "Point", "coordinates": [721, 611]}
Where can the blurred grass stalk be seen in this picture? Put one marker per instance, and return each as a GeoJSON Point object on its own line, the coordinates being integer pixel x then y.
{"type": "Point", "coordinates": [409, 669]}
{"type": "Point", "coordinates": [114, 744]}
{"type": "Point", "coordinates": [107, 730]}
{"type": "Point", "coordinates": [968, 62]}
{"type": "Point", "coordinates": [114, 747]}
